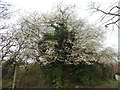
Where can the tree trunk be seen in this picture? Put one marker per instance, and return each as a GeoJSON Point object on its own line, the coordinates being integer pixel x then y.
{"type": "Point", "coordinates": [14, 77]}
{"type": "Point", "coordinates": [0, 76]}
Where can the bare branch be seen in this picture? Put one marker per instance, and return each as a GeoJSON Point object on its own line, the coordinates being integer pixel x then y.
{"type": "Point", "coordinates": [112, 15]}
{"type": "Point", "coordinates": [112, 22]}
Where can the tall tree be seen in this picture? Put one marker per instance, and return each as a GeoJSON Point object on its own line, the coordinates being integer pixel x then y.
{"type": "Point", "coordinates": [59, 36]}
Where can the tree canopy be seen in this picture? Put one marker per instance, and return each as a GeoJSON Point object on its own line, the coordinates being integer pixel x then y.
{"type": "Point", "coordinates": [59, 35]}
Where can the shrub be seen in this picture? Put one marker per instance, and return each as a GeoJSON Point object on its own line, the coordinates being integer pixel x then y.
{"type": "Point", "coordinates": [118, 72]}
{"type": "Point", "coordinates": [61, 75]}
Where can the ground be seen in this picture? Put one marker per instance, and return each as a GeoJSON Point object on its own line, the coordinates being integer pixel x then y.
{"type": "Point", "coordinates": [108, 84]}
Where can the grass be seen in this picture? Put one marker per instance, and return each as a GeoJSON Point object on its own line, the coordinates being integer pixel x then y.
{"type": "Point", "coordinates": [109, 84]}
{"type": "Point", "coordinates": [105, 84]}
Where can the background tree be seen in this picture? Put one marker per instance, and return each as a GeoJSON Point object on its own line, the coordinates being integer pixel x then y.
{"type": "Point", "coordinates": [11, 53]}
{"type": "Point", "coordinates": [111, 16]}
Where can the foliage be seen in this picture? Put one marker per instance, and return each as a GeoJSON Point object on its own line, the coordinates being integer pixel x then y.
{"type": "Point", "coordinates": [118, 72]}
{"type": "Point", "coordinates": [59, 75]}
{"type": "Point", "coordinates": [89, 75]}
{"type": "Point", "coordinates": [7, 74]}
{"type": "Point", "coordinates": [8, 69]}
{"type": "Point", "coordinates": [29, 74]}
{"type": "Point", "coordinates": [58, 36]}
{"type": "Point", "coordinates": [53, 74]}
{"type": "Point", "coordinates": [81, 74]}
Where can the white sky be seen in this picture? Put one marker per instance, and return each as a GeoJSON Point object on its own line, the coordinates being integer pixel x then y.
{"type": "Point", "coordinates": [47, 5]}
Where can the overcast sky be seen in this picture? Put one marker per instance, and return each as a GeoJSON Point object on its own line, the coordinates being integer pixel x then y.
{"type": "Point", "coordinates": [82, 5]}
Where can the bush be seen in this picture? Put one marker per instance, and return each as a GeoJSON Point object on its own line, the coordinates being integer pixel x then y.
{"type": "Point", "coordinates": [53, 74]}
{"type": "Point", "coordinates": [118, 72]}
{"type": "Point", "coordinates": [61, 75]}
{"type": "Point", "coordinates": [31, 77]}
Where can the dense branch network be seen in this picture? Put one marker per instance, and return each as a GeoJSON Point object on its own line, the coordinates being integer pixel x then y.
{"type": "Point", "coordinates": [4, 13]}
{"type": "Point", "coordinates": [111, 14]}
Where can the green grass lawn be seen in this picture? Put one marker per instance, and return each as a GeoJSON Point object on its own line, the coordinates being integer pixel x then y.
{"type": "Point", "coordinates": [107, 84]}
